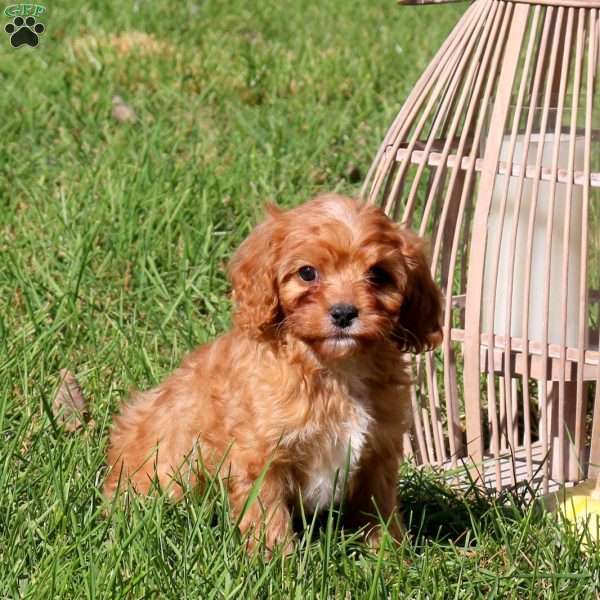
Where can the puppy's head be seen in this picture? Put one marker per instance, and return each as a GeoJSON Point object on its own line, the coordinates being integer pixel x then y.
{"type": "Point", "coordinates": [338, 275]}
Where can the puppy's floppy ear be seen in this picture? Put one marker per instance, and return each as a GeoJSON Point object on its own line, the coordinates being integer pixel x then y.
{"type": "Point", "coordinates": [252, 272]}
{"type": "Point", "coordinates": [420, 321]}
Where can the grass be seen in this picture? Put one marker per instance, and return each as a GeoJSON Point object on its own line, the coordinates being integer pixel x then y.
{"type": "Point", "coordinates": [113, 238]}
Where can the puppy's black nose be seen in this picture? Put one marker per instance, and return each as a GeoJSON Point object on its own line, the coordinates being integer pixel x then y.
{"type": "Point", "coordinates": [343, 314]}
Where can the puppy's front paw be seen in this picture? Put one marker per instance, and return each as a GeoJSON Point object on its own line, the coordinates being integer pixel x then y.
{"type": "Point", "coordinates": [274, 528]}
{"type": "Point", "coordinates": [395, 529]}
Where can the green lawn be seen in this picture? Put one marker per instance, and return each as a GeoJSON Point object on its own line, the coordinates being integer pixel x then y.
{"type": "Point", "coordinates": [113, 238]}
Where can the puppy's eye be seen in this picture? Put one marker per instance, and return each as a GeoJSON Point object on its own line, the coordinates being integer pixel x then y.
{"type": "Point", "coordinates": [379, 276]}
{"type": "Point", "coordinates": [307, 273]}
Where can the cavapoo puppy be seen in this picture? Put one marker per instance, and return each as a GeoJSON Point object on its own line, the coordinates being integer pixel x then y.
{"type": "Point", "coordinates": [311, 381]}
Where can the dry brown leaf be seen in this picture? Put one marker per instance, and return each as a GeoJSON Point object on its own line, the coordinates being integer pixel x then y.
{"type": "Point", "coordinates": [121, 111]}
{"type": "Point", "coordinates": [69, 406]}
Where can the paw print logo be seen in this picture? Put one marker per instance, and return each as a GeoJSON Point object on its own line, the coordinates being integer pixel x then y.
{"type": "Point", "coordinates": [24, 31]}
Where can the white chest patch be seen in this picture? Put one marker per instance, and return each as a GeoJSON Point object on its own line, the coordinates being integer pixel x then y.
{"type": "Point", "coordinates": [337, 461]}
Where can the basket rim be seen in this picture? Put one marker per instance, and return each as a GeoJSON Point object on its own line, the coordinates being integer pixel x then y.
{"type": "Point", "coordinates": [589, 4]}
{"type": "Point", "coordinates": [559, 3]}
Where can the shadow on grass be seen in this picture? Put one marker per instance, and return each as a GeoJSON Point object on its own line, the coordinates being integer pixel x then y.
{"type": "Point", "coordinates": [434, 508]}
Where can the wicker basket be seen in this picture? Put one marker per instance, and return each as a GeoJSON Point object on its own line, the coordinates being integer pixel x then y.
{"type": "Point", "coordinates": [495, 157]}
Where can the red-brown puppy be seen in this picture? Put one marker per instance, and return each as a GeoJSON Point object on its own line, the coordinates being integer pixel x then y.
{"type": "Point", "coordinates": [312, 378]}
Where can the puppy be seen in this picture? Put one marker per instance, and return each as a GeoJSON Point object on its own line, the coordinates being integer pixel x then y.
{"type": "Point", "coordinates": [311, 384]}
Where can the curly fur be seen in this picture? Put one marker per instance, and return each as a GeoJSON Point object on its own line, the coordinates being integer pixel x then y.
{"type": "Point", "coordinates": [287, 389]}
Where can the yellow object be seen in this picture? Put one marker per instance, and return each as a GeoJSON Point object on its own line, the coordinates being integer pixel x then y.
{"type": "Point", "coordinates": [581, 506]}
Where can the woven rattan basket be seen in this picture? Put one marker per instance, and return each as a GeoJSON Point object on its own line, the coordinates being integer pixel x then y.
{"type": "Point", "coordinates": [495, 158]}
